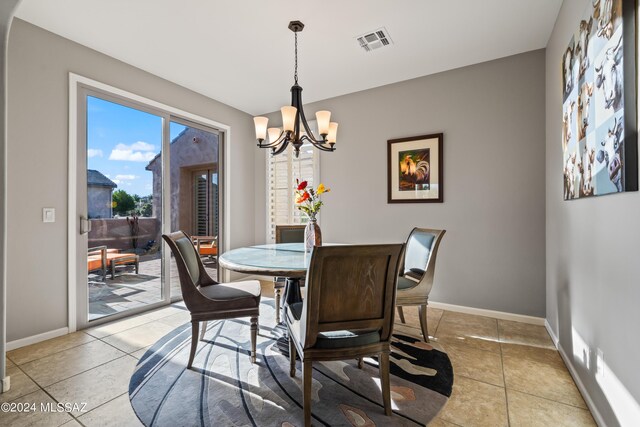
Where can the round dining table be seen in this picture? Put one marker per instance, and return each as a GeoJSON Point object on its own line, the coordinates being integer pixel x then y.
{"type": "Point", "coordinates": [287, 260]}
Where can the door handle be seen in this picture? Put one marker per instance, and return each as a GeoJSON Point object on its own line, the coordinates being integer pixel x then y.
{"type": "Point", "coordinates": [85, 225]}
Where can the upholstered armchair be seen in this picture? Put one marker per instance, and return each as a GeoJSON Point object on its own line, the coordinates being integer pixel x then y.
{"type": "Point", "coordinates": [207, 299]}
{"type": "Point", "coordinates": [347, 313]}
{"type": "Point", "coordinates": [418, 268]}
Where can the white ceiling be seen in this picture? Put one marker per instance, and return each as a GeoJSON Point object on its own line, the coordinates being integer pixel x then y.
{"type": "Point", "coordinates": [240, 52]}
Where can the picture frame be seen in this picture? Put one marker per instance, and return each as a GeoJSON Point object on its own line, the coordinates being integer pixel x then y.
{"type": "Point", "coordinates": [599, 119]}
{"type": "Point", "coordinates": [415, 169]}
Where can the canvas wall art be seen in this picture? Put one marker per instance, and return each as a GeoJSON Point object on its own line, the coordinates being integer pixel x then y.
{"type": "Point", "coordinates": [415, 169]}
{"type": "Point", "coordinates": [599, 141]}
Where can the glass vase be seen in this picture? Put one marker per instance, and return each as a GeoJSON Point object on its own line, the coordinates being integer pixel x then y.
{"type": "Point", "coordinates": [312, 235]}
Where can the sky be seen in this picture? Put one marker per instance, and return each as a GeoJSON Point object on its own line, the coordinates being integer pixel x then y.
{"type": "Point", "coordinates": [121, 141]}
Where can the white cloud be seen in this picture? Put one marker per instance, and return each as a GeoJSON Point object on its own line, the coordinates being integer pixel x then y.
{"type": "Point", "coordinates": [142, 146]}
{"type": "Point", "coordinates": [93, 152]}
{"type": "Point", "coordinates": [122, 179]}
{"type": "Point", "coordinates": [125, 177]}
{"type": "Point", "coordinates": [137, 152]}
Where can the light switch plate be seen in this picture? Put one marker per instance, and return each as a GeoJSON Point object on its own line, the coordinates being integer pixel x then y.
{"type": "Point", "coordinates": [48, 215]}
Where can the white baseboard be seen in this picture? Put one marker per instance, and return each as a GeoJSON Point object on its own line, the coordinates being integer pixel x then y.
{"type": "Point", "coordinates": [502, 315]}
{"type": "Point", "coordinates": [574, 374]}
{"type": "Point", "coordinates": [12, 345]}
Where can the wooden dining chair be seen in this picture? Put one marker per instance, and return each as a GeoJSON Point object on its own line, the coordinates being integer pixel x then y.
{"type": "Point", "coordinates": [417, 271]}
{"type": "Point", "coordinates": [348, 311]}
{"type": "Point", "coordinates": [285, 234]}
{"type": "Point", "coordinates": [207, 299]}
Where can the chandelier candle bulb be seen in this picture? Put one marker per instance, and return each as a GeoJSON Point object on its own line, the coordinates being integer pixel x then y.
{"type": "Point", "coordinates": [261, 127]}
{"type": "Point", "coordinates": [288, 117]}
{"type": "Point", "coordinates": [323, 118]}
{"type": "Point", "coordinates": [333, 131]}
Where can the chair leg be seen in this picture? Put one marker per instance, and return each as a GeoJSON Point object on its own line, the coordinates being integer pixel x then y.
{"type": "Point", "coordinates": [204, 329]}
{"type": "Point", "coordinates": [384, 382]}
{"type": "Point", "coordinates": [401, 314]}
{"type": "Point", "coordinates": [254, 337]}
{"type": "Point", "coordinates": [306, 393]}
{"type": "Point", "coordinates": [195, 327]}
{"type": "Point", "coordinates": [292, 357]}
{"type": "Point", "coordinates": [422, 313]}
{"type": "Point", "coordinates": [360, 362]}
{"type": "Point", "coordinates": [277, 293]}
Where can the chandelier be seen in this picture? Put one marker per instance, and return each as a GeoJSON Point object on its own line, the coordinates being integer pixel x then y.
{"type": "Point", "coordinates": [295, 129]}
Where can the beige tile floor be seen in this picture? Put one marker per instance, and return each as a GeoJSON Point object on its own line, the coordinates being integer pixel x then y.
{"type": "Point", "coordinates": [506, 373]}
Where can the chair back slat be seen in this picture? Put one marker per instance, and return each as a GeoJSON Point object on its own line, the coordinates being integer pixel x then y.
{"type": "Point", "coordinates": [419, 245]}
{"type": "Point", "coordinates": [421, 252]}
{"type": "Point", "coordinates": [351, 288]}
{"type": "Point", "coordinates": [290, 233]}
{"type": "Point", "coordinates": [190, 267]}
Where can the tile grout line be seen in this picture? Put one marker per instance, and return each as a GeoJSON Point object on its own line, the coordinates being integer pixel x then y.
{"type": "Point", "coordinates": [55, 352]}
{"type": "Point", "coordinates": [79, 373]}
{"type": "Point", "coordinates": [477, 380]}
{"type": "Point", "coordinates": [108, 401]}
{"type": "Point", "coordinates": [40, 388]}
{"type": "Point", "coordinates": [504, 377]}
{"type": "Point", "coordinates": [550, 400]}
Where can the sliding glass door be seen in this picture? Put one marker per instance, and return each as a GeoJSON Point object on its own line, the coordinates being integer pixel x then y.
{"type": "Point", "coordinates": [141, 173]}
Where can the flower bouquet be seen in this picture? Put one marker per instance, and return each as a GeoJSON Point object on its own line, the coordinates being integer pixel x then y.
{"type": "Point", "coordinates": [308, 201]}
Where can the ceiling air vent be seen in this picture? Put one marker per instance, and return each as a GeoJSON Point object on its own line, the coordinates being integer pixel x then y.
{"type": "Point", "coordinates": [374, 40]}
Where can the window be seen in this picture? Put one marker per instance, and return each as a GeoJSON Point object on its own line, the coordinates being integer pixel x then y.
{"type": "Point", "coordinates": [282, 172]}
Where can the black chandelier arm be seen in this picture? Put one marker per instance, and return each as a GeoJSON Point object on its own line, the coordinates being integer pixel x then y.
{"type": "Point", "coordinates": [310, 135]}
{"type": "Point", "coordinates": [319, 145]}
{"type": "Point", "coordinates": [285, 144]}
{"type": "Point", "coordinates": [281, 137]}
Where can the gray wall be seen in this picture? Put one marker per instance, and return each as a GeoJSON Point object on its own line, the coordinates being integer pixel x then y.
{"type": "Point", "coordinates": [39, 63]}
{"type": "Point", "coordinates": [99, 200]}
{"type": "Point", "coordinates": [492, 117]}
{"type": "Point", "coordinates": [592, 254]}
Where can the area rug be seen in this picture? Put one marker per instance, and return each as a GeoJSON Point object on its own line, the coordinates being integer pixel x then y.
{"type": "Point", "coordinates": [225, 389]}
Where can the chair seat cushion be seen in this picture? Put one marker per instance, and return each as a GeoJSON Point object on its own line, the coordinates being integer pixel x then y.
{"type": "Point", "coordinates": [336, 339]}
{"type": "Point", "coordinates": [340, 339]}
{"type": "Point", "coordinates": [415, 273]}
{"type": "Point", "coordinates": [208, 251]}
{"type": "Point", "coordinates": [404, 283]}
{"type": "Point", "coordinates": [94, 263]}
{"type": "Point", "coordinates": [234, 295]}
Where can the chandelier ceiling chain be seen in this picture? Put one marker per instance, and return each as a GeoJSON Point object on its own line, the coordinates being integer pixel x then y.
{"type": "Point", "coordinates": [295, 72]}
{"type": "Point", "coordinates": [296, 130]}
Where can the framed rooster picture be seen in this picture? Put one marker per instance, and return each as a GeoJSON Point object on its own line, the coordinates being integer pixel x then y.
{"type": "Point", "coordinates": [599, 122]}
{"type": "Point", "coordinates": [415, 169]}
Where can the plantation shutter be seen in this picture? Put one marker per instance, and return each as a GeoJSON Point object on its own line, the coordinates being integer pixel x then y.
{"type": "Point", "coordinates": [282, 172]}
{"type": "Point", "coordinates": [200, 186]}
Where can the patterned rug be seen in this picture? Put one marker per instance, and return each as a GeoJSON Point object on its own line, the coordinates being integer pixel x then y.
{"type": "Point", "coordinates": [225, 389]}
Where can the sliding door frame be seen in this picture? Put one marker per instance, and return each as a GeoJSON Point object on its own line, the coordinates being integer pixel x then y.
{"type": "Point", "coordinates": [79, 87]}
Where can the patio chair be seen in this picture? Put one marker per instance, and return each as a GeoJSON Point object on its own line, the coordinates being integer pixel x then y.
{"type": "Point", "coordinates": [103, 259]}
{"type": "Point", "coordinates": [207, 246]}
